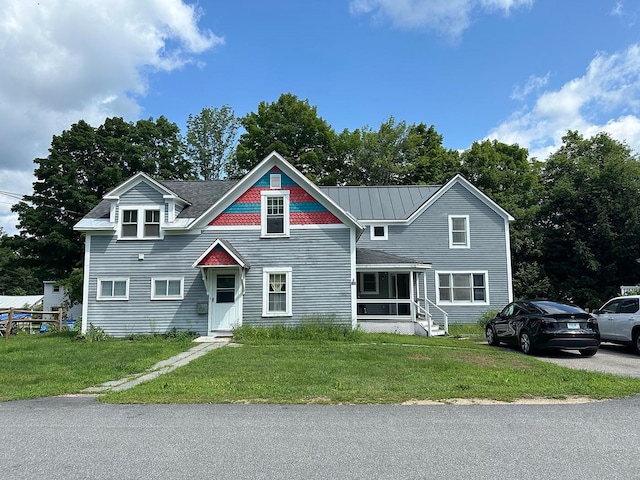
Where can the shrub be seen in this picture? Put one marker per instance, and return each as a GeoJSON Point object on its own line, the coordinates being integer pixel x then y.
{"type": "Point", "coordinates": [316, 328]}
{"type": "Point", "coordinates": [485, 317]}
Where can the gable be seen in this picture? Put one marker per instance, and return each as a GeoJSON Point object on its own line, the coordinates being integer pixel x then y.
{"type": "Point", "coordinates": [246, 209]}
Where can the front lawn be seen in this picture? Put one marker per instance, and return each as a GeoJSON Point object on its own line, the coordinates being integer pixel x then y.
{"type": "Point", "coordinates": [403, 369]}
{"type": "Point", "coordinates": [42, 365]}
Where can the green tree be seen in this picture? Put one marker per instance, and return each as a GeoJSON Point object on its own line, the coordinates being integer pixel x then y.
{"type": "Point", "coordinates": [83, 164]}
{"type": "Point", "coordinates": [428, 162]}
{"type": "Point", "coordinates": [292, 128]}
{"type": "Point", "coordinates": [395, 154]}
{"type": "Point", "coordinates": [210, 140]}
{"type": "Point", "coordinates": [14, 279]}
{"type": "Point", "coordinates": [589, 219]}
{"type": "Point", "coordinates": [507, 175]}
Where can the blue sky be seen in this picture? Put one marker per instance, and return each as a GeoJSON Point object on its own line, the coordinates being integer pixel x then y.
{"type": "Point", "coordinates": [520, 71]}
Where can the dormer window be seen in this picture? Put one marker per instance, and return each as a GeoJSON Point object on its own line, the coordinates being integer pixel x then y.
{"type": "Point", "coordinates": [275, 213]}
{"type": "Point", "coordinates": [132, 228]}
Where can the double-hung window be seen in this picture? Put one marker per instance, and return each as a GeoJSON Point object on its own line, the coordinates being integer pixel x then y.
{"type": "Point", "coordinates": [139, 223]}
{"type": "Point", "coordinates": [459, 231]}
{"type": "Point", "coordinates": [167, 288]}
{"type": "Point", "coordinates": [275, 213]}
{"type": "Point", "coordinates": [462, 287]}
{"type": "Point", "coordinates": [113, 289]}
{"type": "Point", "coordinates": [276, 299]}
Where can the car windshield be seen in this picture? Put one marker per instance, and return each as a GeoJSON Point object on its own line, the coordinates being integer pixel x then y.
{"type": "Point", "coordinates": [557, 308]}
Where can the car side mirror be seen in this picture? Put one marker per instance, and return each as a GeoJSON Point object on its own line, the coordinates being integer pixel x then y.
{"type": "Point", "coordinates": [595, 311]}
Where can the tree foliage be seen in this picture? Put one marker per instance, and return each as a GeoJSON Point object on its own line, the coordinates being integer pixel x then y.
{"type": "Point", "coordinates": [83, 164]}
{"type": "Point", "coordinates": [292, 128]}
{"type": "Point", "coordinates": [210, 140]}
{"type": "Point", "coordinates": [589, 219]}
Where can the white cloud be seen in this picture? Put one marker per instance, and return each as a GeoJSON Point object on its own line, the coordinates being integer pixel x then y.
{"type": "Point", "coordinates": [534, 84]}
{"type": "Point", "coordinates": [617, 10]}
{"type": "Point", "coordinates": [605, 99]}
{"type": "Point", "coordinates": [66, 60]}
{"type": "Point", "coordinates": [450, 17]}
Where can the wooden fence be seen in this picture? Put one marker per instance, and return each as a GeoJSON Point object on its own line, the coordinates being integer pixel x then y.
{"type": "Point", "coordinates": [11, 320]}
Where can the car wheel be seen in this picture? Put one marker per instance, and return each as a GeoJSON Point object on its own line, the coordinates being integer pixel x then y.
{"type": "Point", "coordinates": [588, 352]}
{"type": "Point", "coordinates": [525, 343]}
{"type": "Point", "coordinates": [492, 339]}
{"type": "Point", "coordinates": [636, 341]}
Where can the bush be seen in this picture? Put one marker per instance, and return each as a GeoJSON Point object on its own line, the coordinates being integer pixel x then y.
{"type": "Point", "coordinates": [485, 317]}
{"type": "Point", "coordinates": [94, 334]}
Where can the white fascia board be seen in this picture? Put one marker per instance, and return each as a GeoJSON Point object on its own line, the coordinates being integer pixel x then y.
{"type": "Point", "coordinates": [143, 177]}
{"type": "Point", "coordinates": [274, 159]}
{"type": "Point", "coordinates": [469, 186]}
{"type": "Point", "coordinates": [398, 267]}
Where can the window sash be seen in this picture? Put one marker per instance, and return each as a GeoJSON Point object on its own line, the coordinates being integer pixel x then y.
{"type": "Point", "coordinates": [462, 287]}
{"type": "Point", "coordinates": [129, 223]}
{"type": "Point", "coordinates": [113, 289]}
{"type": "Point", "coordinates": [459, 231]}
{"type": "Point", "coordinates": [277, 292]}
{"type": "Point", "coordinates": [167, 288]}
{"type": "Point", "coordinates": [151, 223]}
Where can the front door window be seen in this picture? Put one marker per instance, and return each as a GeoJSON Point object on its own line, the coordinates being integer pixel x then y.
{"type": "Point", "coordinates": [225, 288]}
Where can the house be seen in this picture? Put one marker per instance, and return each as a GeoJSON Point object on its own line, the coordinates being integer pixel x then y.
{"type": "Point", "coordinates": [55, 297]}
{"type": "Point", "coordinates": [273, 248]}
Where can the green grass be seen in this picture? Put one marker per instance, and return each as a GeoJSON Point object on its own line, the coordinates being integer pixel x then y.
{"type": "Point", "coordinates": [327, 365]}
{"type": "Point", "coordinates": [379, 368]}
{"type": "Point", "coordinates": [34, 366]}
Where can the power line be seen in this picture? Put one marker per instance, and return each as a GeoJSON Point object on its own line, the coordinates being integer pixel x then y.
{"type": "Point", "coordinates": [17, 196]}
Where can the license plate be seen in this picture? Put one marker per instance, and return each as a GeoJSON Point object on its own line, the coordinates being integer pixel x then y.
{"type": "Point", "coordinates": [573, 326]}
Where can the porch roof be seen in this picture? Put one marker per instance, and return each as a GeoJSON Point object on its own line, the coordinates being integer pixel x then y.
{"type": "Point", "coordinates": [369, 259]}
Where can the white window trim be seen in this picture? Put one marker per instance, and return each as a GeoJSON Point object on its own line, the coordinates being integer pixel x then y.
{"type": "Point", "coordinates": [112, 279]}
{"type": "Point", "coordinates": [468, 239]}
{"type": "Point", "coordinates": [155, 296]}
{"type": "Point", "coordinates": [361, 285]}
{"type": "Point", "coordinates": [485, 273]}
{"type": "Point", "coordinates": [372, 232]}
{"type": "Point", "coordinates": [264, 194]}
{"type": "Point", "coordinates": [265, 291]}
{"type": "Point", "coordinates": [141, 209]}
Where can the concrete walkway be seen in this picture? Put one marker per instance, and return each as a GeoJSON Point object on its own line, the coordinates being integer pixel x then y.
{"type": "Point", "coordinates": [165, 366]}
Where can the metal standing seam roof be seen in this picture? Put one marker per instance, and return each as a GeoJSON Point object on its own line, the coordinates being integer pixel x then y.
{"type": "Point", "coordinates": [382, 202]}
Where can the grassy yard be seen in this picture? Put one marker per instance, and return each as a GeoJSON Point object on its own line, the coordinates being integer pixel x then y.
{"type": "Point", "coordinates": [370, 369]}
{"type": "Point", "coordinates": [34, 366]}
{"type": "Point", "coordinates": [275, 368]}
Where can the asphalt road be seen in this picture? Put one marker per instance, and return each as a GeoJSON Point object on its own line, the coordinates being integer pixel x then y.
{"type": "Point", "coordinates": [79, 438]}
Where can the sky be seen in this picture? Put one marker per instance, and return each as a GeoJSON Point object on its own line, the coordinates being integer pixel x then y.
{"type": "Point", "coordinates": [518, 71]}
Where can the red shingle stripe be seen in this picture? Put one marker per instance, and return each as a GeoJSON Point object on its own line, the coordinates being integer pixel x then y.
{"type": "Point", "coordinates": [218, 257]}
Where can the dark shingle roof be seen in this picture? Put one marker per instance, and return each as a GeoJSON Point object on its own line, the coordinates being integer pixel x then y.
{"type": "Point", "coordinates": [368, 256]}
{"type": "Point", "coordinates": [201, 195]}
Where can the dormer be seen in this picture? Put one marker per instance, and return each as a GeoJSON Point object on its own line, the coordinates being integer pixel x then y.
{"type": "Point", "coordinates": [141, 208]}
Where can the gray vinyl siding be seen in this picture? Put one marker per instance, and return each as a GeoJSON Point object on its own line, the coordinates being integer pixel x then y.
{"type": "Point", "coordinates": [321, 277]}
{"type": "Point", "coordinates": [142, 194]}
{"type": "Point", "coordinates": [427, 240]}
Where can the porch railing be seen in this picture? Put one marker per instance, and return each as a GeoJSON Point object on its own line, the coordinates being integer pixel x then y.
{"type": "Point", "coordinates": [385, 307]}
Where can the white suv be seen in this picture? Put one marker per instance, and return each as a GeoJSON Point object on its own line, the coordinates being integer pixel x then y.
{"type": "Point", "coordinates": [619, 321]}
